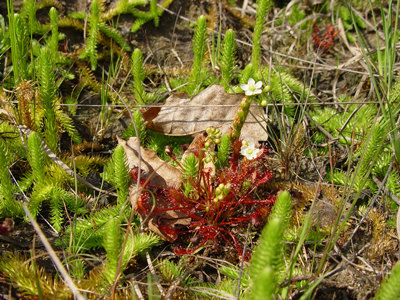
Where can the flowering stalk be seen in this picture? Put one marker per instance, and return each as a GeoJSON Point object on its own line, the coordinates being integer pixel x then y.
{"type": "Point", "coordinates": [251, 88]}
{"type": "Point", "coordinates": [214, 137]}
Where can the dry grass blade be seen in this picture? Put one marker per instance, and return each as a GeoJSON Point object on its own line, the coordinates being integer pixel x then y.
{"type": "Point", "coordinates": [398, 223]}
{"type": "Point", "coordinates": [54, 256]}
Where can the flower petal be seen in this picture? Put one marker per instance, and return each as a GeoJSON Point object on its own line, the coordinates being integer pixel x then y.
{"type": "Point", "coordinates": [243, 150]}
{"type": "Point", "coordinates": [244, 87]}
{"type": "Point", "coordinates": [254, 154]}
{"type": "Point", "coordinates": [249, 151]}
{"type": "Point", "coordinates": [256, 92]}
{"type": "Point", "coordinates": [259, 85]}
{"type": "Point", "coordinates": [249, 93]}
{"type": "Point", "coordinates": [251, 81]}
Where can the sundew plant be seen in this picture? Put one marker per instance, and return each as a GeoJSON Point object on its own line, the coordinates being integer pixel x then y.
{"type": "Point", "coordinates": [280, 183]}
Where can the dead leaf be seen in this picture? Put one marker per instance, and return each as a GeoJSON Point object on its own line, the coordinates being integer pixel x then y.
{"type": "Point", "coordinates": [149, 114]}
{"type": "Point", "coordinates": [160, 173]}
{"type": "Point", "coordinates": [164, 223]}
{"type": "Point", "coordinates": [182, 116]}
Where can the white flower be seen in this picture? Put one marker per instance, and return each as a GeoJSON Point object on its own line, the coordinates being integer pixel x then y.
{"type": "Point", "coordinates": [249, 151]}
{"type": "Point", "coordinates": [252, 88]}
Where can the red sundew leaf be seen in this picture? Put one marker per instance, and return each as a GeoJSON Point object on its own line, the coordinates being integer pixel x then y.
{"type": "Point", "coordinates": [181, 251]}
{"type": "Point", "coordinates": [7, 226]}
{"type": "Point", "coordinates": [144, 204]}
{"type": "Point", "coordinates": [259, 217]}
{"type": "Point", "coordinates": [167, 224]}
{"type": "Point", "coordinates": [162, 217]}
{"type": "Point", "coordinates": [324, 42]}
{"type": "Point", "coordinates": [267, 177]}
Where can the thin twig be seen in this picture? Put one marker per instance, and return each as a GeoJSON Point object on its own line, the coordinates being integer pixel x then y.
{"type": "Point", "coordinates": [174, 285]}
{"type": "Point", "coordinates": [349, 118]}
{"type": "Point", "coordinates": [386, 190]}
{"type": "Point", "coordinates": [137, 291]}
{"type": "Point", "coordinates": [153, 273]}
{"type": "Point", "coordinates": [70, 283]}
{"type": "Point", "coordinates": [324, 131]}
{"type": "Point", "coordinates": [286, 282]}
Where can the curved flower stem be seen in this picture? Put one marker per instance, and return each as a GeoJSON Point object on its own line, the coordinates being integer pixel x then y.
{"type": "Point", "coordinates": [238, 122]}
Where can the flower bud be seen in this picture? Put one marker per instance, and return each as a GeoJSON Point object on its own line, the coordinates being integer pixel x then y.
{"type": "Point", "coordinates": [221, 186]}
{"type": "Point", "coordinates": [217, 131]}
{"type": "Point", "coordinates": [207, 145]}
{"type": "Point", "coordinates": [168, 150]}
{"type": "Point", "coordinates": [207, 159]}
{"type": "Point", "coordinates": [217, 141]}
{"type": "Point", "coordinates": [267, 89]}
{"type": "Point", "coordinates": [212, 154]}
{"type": "Point", "coordinates": [227, 188]}
{"type": "Point", "coordinates": [245, 143]}
{"type": "Point", "coordinates": [244, 104]}
{"type": "Point", "coordinates": [208, 130]}
{"type": "Point", "coordinates": [264, 103]}
{"type": "Point", "coordinates": [217, 191]}
{"type": "Point", "coordinates": [240, 114]}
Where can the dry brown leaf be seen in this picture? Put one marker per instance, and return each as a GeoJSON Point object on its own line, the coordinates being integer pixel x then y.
{"type": "Point", "coordinates": [183, 116]}
{"type": "Point", "coordinates": [160, 173]}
